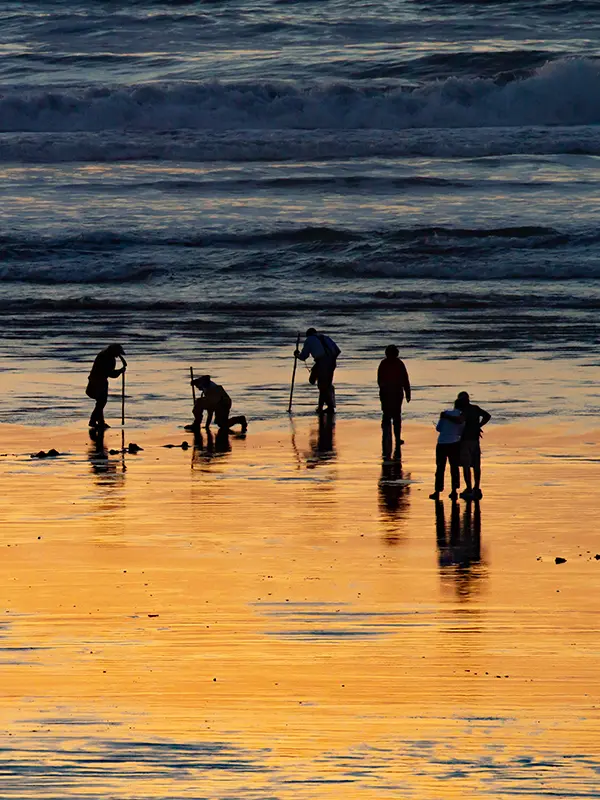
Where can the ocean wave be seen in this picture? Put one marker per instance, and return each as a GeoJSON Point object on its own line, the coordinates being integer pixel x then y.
{"type": "Point", "coordinates": [565, 92]}
{"type": "Point", "coordinates": [282, 146]}
{"type": "Point", "coordinates": [199, 313]}
{"type": "Point", "coordinates": [501, 65]}
{"type": "Point", "coordinates": [99, 242]}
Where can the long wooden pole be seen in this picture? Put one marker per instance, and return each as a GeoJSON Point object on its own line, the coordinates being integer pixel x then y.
{"type": "Point", "coordinates": [193, 387]}
{"type": "Point", "coordinates": [294, 374]}
{"type": "Point", "coordinates": [123, 392]}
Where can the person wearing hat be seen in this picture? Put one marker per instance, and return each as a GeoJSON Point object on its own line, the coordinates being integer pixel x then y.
{"type": "Point", "coordinates": [215, 401]}
{"type": "Point", "coordinates": [104, 367]}
{"type": "Point", "coordinates": [394, 386]}
{"type": "Point", "coordinates": [324, 352]}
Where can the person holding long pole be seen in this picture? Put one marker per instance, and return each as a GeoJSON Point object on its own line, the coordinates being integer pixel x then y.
{"type": "Point", "coordinates": [325, 353]}
{"type": "Point", "coordinates": [105, 367]}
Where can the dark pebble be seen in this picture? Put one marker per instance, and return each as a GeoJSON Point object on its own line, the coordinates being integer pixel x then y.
{"type": "Point", "coordinates": [559, 560]}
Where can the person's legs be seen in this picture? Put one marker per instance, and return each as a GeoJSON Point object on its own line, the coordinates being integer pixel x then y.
{"type": "Point", "coordinates": [441, 455]}
{"type": "Point", "coordinates": [325, 371]}
{"type": "Point", "coordinates": [97, 416]}
{"type": "Point", "coordinates": [397, 419]}
{"type": "Point", "coordinates": [240, 420]}
{"type": "Point", "coordinates": [454, 459]}
{"type": "Point", "coordinates": [477, 470]}
{"type": "Point", "coordinates": [222, 414]}
{"type": "Point", "coordinates": [386, 435]}
{"type": "Point", "coordinates": [199, 408]}
{"type": "Point", "coordinates": [465, 462]}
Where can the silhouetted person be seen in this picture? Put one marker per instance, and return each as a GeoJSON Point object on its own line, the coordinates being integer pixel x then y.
{"type": "Point", "coordinates": [448, 449]}
{"type": "Point", "coordinates": [470, 451]}
{"type": "Point", "coordinates": [394, 386]}
{"type": "Point", "coordinates": [325, 353]}
{"type": "Point", "coordinates": [104, 367]}
{"type": "Point", "coordinates": [215, 401]}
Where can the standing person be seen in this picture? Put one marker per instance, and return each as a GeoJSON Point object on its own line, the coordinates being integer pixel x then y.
{"type": "Point", "coordinates": [394, 386]}
{"type": "Point", "coordinates": [325, 352]}
{"type": "Point", "coordinates": [104, 367]}
{"type": "Point", "coordinates": [450, 427]}
{"type": "Point", "coordinates": [470, 451]}
{"type": "Point", "coordinates": [214, 400]}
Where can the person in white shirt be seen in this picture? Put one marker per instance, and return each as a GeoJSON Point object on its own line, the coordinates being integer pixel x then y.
{"type": "Point", "coordinates": [448, 449]}
{"type": "Point", "coordinates": [325, 352]}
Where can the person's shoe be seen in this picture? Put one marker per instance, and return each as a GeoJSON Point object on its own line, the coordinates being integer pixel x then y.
{"type": "Point", "coordinates": [401, 441]}
{"type": "Point", "coordinates": [477, 494]}
{"type": "Point", "coordinates": [434, 496]}
{"type": "Point", "coordinates": [467, 494]}
{"type": "Point", "coordinates": [104, 426]}
{"type": "Point", "coordinates": [453, 495]}
{"type": "Point", "coordinates": [244, 424]}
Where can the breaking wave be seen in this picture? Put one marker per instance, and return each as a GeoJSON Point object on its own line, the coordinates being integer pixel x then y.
{"type": "Point", "coordinates": [564, 92]}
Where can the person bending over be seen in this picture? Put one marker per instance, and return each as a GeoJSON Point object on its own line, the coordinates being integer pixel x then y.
{"type": "Point", "coordinates": [325, 353]}
{"type": "Point", "coordinates": [104, 367]}
{"type": "Point", "coordinates": [394, 386]}
{"type": "Point", "coordinates": [215, 401]}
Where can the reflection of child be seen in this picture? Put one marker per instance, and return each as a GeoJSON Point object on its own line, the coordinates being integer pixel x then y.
{"type": "Point", "coordinates": [448, 449]}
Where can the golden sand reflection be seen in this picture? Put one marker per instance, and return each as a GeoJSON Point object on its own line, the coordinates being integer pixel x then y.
{"type": "Point", "coordinates": [291, 617]}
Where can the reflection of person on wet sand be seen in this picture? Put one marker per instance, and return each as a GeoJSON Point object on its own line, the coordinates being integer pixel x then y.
{"type": "Point", "coordinates": [215, 401]}
{"type": "Point", "coordinates": [214, 444]}
{"type": "Point", "coordinates": [214, 447]}
{"type": "Point", "coordinates": [459, 545]}
{"type": "Point", "coordinates": [394, 386]}
{"type": "Point", "coordinates": [394, 500]}
{"type": "Point", "coordinates": [322, 446]}
{"type": "Point", "coordinates": [104, 367]}
{"type": "Point", "coordinates": [98, 456]}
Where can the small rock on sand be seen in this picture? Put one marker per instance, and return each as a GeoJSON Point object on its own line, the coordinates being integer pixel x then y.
{"type": "Point", "coordinates": [559, 560]}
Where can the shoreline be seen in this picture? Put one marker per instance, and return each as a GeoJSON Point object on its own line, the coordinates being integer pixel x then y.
{"type": "Point", "coordinates": [297, 608]}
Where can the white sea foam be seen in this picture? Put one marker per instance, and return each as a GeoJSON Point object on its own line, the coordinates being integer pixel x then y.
{"type": "Point", "coordinates": [565, 92]}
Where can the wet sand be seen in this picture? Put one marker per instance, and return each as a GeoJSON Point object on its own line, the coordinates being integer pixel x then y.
{"type": "Point", "coordinates": [291, 618]}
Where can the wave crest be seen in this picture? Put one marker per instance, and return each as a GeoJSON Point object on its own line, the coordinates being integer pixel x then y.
{"type": "Point", "coordinates": [564, 92]}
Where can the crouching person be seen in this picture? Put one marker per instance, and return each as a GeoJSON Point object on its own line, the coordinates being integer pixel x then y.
{"type": "Point", "coordinates": [216, 402]}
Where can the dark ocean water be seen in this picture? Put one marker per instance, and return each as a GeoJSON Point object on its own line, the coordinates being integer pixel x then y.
{"type": "Point", "coordinates": [201, 180]}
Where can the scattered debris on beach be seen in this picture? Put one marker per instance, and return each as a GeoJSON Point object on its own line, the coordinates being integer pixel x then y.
{"type": "Point", "coordinates": [43, 454]}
